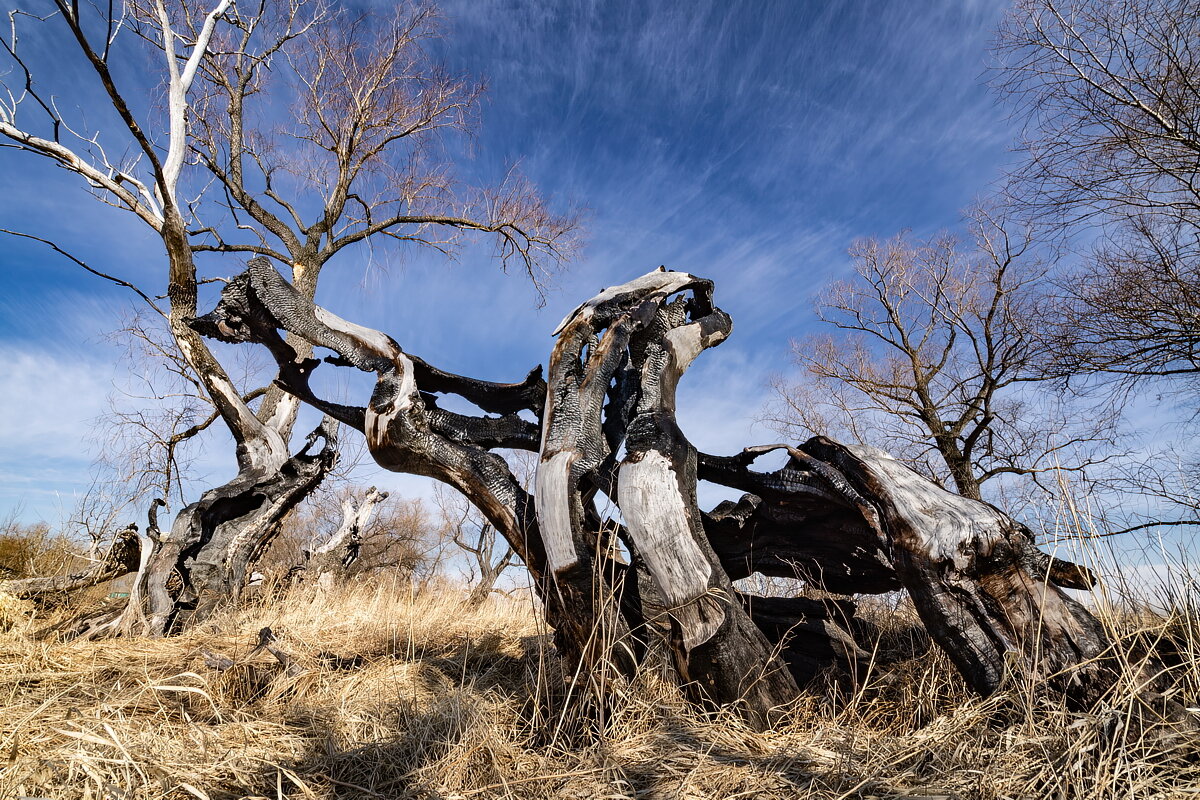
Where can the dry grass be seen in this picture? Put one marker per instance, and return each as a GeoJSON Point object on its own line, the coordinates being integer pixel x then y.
{"type": "Point", "coordinates": [400, 696]}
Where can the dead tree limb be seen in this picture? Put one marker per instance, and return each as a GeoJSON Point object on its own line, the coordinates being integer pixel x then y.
{"type": "Point", "coordinates": [201, 563]}
{"type": "Point", "coordinates": [854, 519]}
{"type": "Point", "coordinates": [793, 523]}
{"type": "Point", "coordinates": [719, 652]}
{"type": "Point", "coordinates": [983, 590]}
{"type": "Point", "coordinates": [404, 433]}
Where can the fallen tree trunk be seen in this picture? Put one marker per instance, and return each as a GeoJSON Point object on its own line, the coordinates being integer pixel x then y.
{"type": "Point", "coordinates": [845, 519]}
{"type": "Point", "coordinates": [794, 522]}
{"type": "Point", "coordinates": [854, 519]}
{"type": "Point", "coordinates": [983, 590]}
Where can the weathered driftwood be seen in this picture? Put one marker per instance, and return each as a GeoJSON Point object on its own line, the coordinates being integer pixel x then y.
{"type": "Point", "coordinates": [122, 558]}
{"type": "Point", "coordinates": [845, 519]}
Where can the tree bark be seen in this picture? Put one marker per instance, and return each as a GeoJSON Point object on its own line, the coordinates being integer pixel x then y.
{"type": "Point", "coordinates": [983, 590]}
{"type": "Point", "coordinates": [986, 594]}
{"type": "Point", "coordinates": [722, 657]}
{"type": "Point", "coordinates": [573, 447]}
{"type": "Point", "coordinates": [794, 522]}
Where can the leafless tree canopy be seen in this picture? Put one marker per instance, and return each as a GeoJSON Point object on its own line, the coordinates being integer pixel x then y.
{"type": "Point", "coordinates": [294, 129]}
{"type": "Point", "coordinates": [326, 126]}
{"type": "Point", "coordinates": [1110, 93]}
{"type": "Point", "coordinates": [936, 350]}
{"type": "Point", "coordinates": [487, 553]}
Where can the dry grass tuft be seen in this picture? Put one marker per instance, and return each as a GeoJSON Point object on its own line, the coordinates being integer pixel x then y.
{"type": "Point", "coordinates": [397, 695]}
{"type": "Point", "coordinates": [13, 611]}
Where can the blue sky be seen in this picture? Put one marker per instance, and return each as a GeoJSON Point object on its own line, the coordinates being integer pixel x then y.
{"type": "Point", "coordinates": [747, 142]}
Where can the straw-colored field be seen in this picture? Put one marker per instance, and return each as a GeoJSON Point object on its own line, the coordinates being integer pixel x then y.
{"type": "Point", "coordinates": [400, 696]}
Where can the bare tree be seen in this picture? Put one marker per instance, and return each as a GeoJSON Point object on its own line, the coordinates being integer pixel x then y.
{"type": "Point", "coordinates": [366, 101]}
{"type": "Point", "coordinates": [352, 532]}
{"type": "Point", "coordinates": [477, 538]}
{"type": "Point", "coordinates": [368, 109]}
{"type": "Point", "coordinates": [1110, 96]}
{"type": "Point", "coordinates": [146, 181]}
{"type": "Point", "coordinates": [97, 511]}
{"type": "Point", "coordinates": [156, 414]}
{"type": "Point", "coordinates": [332, 560]}
{"type": "Point", "coordinates": [936, 361]}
